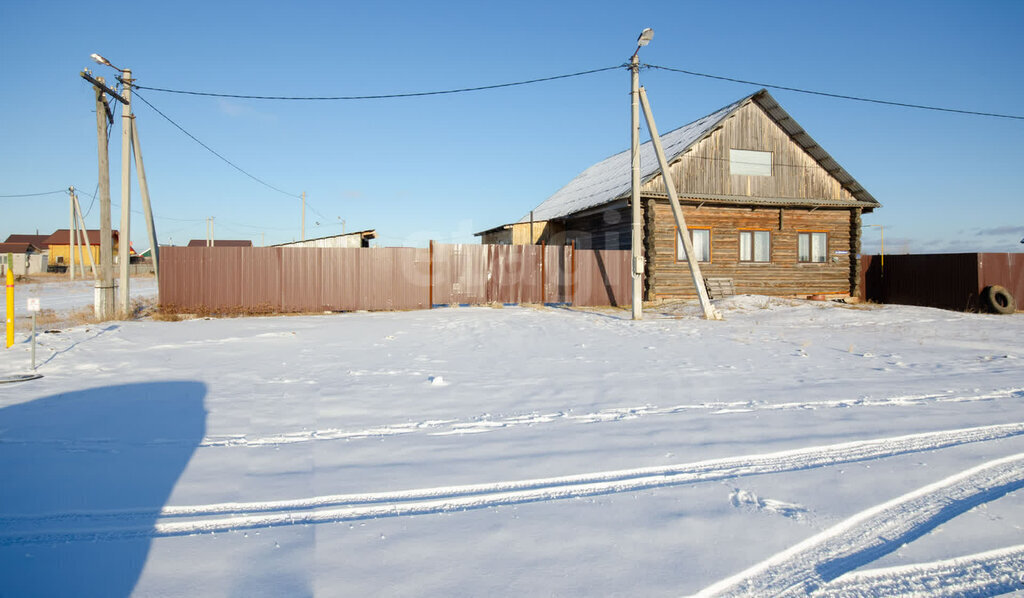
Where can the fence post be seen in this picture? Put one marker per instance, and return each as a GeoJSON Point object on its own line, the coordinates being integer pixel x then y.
{"type": "Point", "coordinates": [543, 274]}
{"type": "Point", "coordinates": [572, 276]}
{"type": "Point", "coordinates": [430, 305]}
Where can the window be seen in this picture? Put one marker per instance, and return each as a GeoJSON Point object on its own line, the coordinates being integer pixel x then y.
{"type": "Point", "coordinates": [812, 247]}
{"type": "Point", "coordinates": [750, 162]}
{"type": "Point", "coordinates": [701, 238]}
{"type": "Point", "coordinates": [755, 246]}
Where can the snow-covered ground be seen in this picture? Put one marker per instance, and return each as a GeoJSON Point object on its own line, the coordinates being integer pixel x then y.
{"type": "Point", "coordinates": [66, 295]}
{"type": "Point", "coordinates": [795, 447]}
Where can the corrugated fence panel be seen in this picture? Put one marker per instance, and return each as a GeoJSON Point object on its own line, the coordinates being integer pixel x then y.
{"type": "Point", "coordinates": [1003, 269]}
{"type": "Point", "coordinates": [301, 285]}
{"type": "Point", "coordinates": [557, 269]}
{"type": "Point", "coordinates": [398, 278]}
{"type": "Point", "coordinates": [414, 277]}
{"type": "Point", "coordinates": [261, 278]}
{"type": "Point", "coordinates": [460, 274]}
{"type": "Point", "coordinates": [603, 277]}
{"type": "Point", "coordinates": [222, 274]}
{"type": "Point", "coordinates": [175, 277]}
{"type": "Point", "coordinates": [297, 279]}
{"type": "Point", "coordinates": [340, 273]}
{"type": "Point", "coordinates": [514, 275]}
{"type": "Point", "coordinates": [949, 281]}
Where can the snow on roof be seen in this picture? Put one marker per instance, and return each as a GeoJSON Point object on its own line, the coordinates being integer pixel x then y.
{"type": "Point", "coordinates": [610, 178]}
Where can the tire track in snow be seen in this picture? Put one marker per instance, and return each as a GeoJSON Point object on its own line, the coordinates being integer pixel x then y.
{"type": "Point", "coordinates": [445, 427]}
{"type": "Point", "coordinates": [810, 565]}
{"type": "Point", "coordinates": [348, 507]}
{"type": "Point", "coordinates": [984, 574]}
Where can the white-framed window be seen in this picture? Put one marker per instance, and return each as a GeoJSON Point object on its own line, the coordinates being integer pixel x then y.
{"type": "Point", "coordinates": [701, 238]}
{"type": "Point", "coordinates": [755, 246]}
{"type": "Point", "coordinates": [812, 247]}
{"type": "Point", "coordinates": [750, 162]}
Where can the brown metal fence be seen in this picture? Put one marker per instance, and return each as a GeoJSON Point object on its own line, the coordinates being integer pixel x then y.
{"type": "Point", "coordinates": [949, 281]}
{"type": "Point", "coordinates": [303, 279]}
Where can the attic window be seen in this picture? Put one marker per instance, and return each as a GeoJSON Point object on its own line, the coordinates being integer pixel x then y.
{"type": "Point", "coordinates": [750, 162]}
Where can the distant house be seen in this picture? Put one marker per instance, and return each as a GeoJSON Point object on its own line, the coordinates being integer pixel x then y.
{"type": "Point", "coordinates": [28, 258]}
{"type": "Point", "coordinates": [765, 205]}
{"type": "Point", "coordinates": [59, 244]}
{"type": "Point", "coordinates": [220, 243]}
{"type": "Point", "coordinates": [357, 239]}
{"type": "Point", "coordinates": [39, 241]}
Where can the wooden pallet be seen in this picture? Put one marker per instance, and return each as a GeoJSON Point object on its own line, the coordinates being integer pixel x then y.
{"type": "Point", "coordinates": [719, 288]}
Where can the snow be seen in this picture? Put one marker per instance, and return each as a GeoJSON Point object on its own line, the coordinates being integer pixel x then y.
{"type": "Point", "coordinates": [795, 447]}
{"type": "Point", "coordinates": [63, 296]}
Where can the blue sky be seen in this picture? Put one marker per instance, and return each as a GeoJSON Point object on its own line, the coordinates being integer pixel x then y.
{"type": "Point", "coordinates": [444, 167]}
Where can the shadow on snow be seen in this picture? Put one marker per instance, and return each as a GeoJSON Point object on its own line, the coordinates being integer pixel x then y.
{"type": "Point", "coordinates": [65, 457]}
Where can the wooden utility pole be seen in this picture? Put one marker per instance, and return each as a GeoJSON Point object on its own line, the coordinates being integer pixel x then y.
{"type": "Point", "coordinates": [125, 239]}
{"type": "Point", "coordinates": [303, 215]}
{"type": "Point", "coordinates": [637, 233]}
{"type": "Point", "coordinates": [105, 289]}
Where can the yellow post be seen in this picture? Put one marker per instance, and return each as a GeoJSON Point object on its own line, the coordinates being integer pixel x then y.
{"type": "Point", "coordinates": [10, 299]}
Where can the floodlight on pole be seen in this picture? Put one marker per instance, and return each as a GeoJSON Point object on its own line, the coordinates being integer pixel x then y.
{"type": "Point", "coordinates": [645, 37]}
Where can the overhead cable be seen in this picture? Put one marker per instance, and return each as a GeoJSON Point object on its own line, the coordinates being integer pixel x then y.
{"type": "Point", "coordinates": [212, 151]}
{"type": "Point", "coordinates": [64, 191]}
{"type": "Point", "coordinates": [834, 95]}
{"type": "Point", "coordinates": [379, 96]}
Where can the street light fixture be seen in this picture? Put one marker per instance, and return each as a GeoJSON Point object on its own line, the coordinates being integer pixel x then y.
{"type": "Point", "coordinates": [645, 37]}
{"type": "Point", "coordinates": [101, 60]}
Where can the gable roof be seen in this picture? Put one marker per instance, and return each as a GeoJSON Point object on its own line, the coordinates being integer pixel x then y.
{"type": "Point", "coordinates": [610, 179]}
{"type": "Point", "coordinates": [62, 236]}
{"type": "Point", "coordinates": [12, 247]}
{"type": "Point", "coordinates": [37, 240]}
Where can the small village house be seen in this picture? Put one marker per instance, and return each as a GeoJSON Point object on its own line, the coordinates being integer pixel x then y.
{"type": "Point", "coordinates": [27, 257]}
{"type": "Point", "coordinates": [59, 244]}
{"type": "Point", "coordinates": [767, 208]}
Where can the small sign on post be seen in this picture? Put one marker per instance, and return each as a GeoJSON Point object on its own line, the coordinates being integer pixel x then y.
{"type": "Point", "coordinates": [32, 304]}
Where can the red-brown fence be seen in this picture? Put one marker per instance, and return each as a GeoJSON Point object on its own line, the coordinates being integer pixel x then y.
{"type": "Point", "coordinates": [303, 279]}
{"type": "Point", "coordinates": [950, 281]}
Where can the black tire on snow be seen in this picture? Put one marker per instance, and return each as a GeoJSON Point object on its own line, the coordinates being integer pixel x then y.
{"type": "Point", "coordinates": [998, 300]}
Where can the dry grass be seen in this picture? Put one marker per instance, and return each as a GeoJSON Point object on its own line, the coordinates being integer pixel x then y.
{"type": "Point", "coordinates": [169, 311]}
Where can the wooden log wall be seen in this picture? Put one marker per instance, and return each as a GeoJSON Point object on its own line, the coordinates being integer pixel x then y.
{"type": "Point", "coordinates": [608, 229]}
{"type": "Point", "coordinates": [782, 275]}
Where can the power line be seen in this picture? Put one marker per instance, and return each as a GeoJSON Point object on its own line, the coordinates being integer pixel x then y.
{"type": "Point", "coordinates": [834, 95]}
{"type": "Point", "coordinates": [64, 191]}
{"type": "Point", "coordinates": [212, 151]}
{"type": "Point", "coordinates": [381, 96]}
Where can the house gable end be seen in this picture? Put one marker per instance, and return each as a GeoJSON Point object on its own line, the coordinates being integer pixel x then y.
{"type": "Point", "coordinates": [704, 170]}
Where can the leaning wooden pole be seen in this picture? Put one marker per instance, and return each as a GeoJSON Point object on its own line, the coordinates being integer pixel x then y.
{"type": "Point", "coordinates": [71, 235]}
{"type": "Point", "coordinates": [85, 233]}
{"type": "Point", "coordinates": [147, 207]}
{"type": "Point", "coordinates": [710, 312]}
